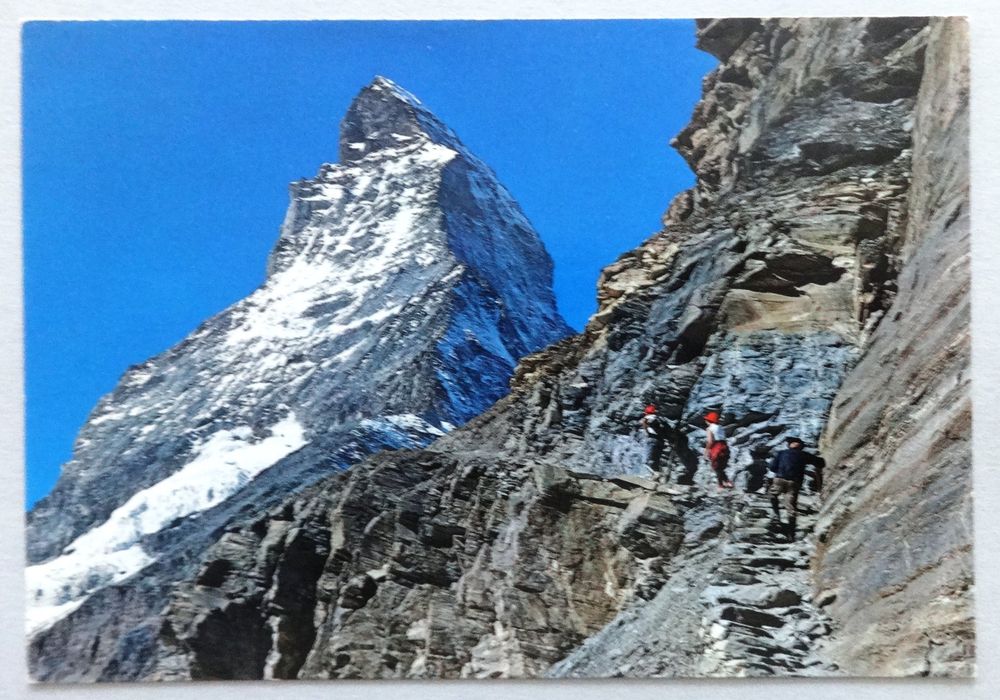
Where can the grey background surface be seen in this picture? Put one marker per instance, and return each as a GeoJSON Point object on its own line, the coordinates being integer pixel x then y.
{"type": "Point", "coordinates": [984, 18]}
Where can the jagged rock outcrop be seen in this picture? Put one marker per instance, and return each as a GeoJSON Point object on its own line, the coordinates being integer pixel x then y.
{"type": "Point", "coordinates": [404, 286]}
{"type": "Point", "coordinates": [896, 526]}
{"type": "Point", "coordinates": [529, 542]}
{"type": "Point", "coordinates": [425, 567]}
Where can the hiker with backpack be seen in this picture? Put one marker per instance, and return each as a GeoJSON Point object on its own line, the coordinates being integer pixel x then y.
{"type": "Point", "coordinates": [653, 428]}
{"type": "Point", "coordinates": [717, 449]}
{"type": "Point", "coordinates": [788, 469]}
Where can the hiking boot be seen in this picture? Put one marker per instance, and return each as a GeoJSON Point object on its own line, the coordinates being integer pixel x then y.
{"type": "Point", "coordinates": [790, 531]}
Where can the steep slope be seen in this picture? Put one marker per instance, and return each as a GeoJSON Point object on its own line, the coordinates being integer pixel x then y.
{"type": "Point", "coordinates": [896, 526]}
{"type": "Point", "coordinates": [404, 286]}
{"type": "Point", "coordinates": [528, 543]}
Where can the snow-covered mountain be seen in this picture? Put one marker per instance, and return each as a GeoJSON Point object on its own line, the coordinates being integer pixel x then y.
{"type": "Point", "coordinates": [405, 285]}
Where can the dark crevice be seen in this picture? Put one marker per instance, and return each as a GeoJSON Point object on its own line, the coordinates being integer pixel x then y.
{"type": "Point", "coordinates": [358, 591]}
{"type": "Point", "coordinates": [895, 31]}
{"type": "Point", "coordinates": [683, 277]}
{"type": "Point", "coordinates": [214, 575]}
{"type": "Point", "coordinates": [295, 597]}
{"type": "Point", "coordinates": [824, 157]}
{"type": "Point", "coordinates": [735, 74]}
{"type": "Point", "coordinates": [231, 643]}
{"type": "Point", "coordinates": [784, 273]}
{"type": "Point", "coordinates": [953, 216]}
{"type": "Point", "coordinates": [693, 338]}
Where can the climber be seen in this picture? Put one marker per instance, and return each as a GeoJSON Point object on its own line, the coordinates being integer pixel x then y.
{"type": "Point", "coordinates": [653, 428]}
{"type": "Point", "coordinates": [716, 449]}
{"type": "Point", "coordinates": [788, 469]}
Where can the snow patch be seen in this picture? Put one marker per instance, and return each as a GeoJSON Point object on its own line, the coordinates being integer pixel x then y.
{"type": "Point", "coordinates": [404, 430]}
{"type": "Point", "coordinates": [111, 552]}
{"type": "Point", "coordinates": [351, 254]}
{"type": "Point", "coordinates": [59, 586]}
{"type": "Point", "coordinates": [117, 415]}
{"type": "Point", "coordinates": [409, 421]}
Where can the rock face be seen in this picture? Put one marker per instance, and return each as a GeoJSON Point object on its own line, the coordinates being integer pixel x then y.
{"type": "Point", "coordinates": [530, 542]}
{"type": "Point", "coordinates": [403, 577]}
{"type": "Point", "coordinates": [896, 526]}
{"type": "Point", "coordinates": [405, 285]}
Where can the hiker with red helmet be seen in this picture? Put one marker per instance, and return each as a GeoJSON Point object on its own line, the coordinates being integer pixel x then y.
{"type": "Point", "coordinates": [654, 429]}
{"type": "Point", "coordinates": [716, 448]}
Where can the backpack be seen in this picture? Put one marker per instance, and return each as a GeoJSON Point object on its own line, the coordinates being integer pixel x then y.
{"type": "Point", "coordinates": [654, 428]}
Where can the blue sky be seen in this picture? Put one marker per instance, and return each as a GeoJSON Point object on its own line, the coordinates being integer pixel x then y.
{"type": "Point", "coordinates": [157, 157]}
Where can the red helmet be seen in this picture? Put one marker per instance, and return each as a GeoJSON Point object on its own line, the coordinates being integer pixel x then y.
{"type": "Point", "coordinates": [712, 416]}
{"type": "Point", "coordinates": [650, 409]}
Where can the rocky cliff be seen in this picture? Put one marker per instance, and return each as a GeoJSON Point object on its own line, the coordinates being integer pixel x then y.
{"type": "Point", "coordinates": [794, 280]}
{"type": "Point", "coordinates": [895, 552]}
{"type": "Point", "coordinates": [404, 286]}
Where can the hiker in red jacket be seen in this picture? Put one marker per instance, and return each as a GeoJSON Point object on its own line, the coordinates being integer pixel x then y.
{"type": "Point", "coordinates": [716, 449]}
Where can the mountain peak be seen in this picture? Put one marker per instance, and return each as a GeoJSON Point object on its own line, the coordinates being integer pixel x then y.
{"type": "Point", "coordinates": [384, 86]}
{"type": "Point", "coordinates": [383, 116]}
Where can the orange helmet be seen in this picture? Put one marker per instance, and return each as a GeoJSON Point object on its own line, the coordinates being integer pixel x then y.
{"type": "Point", "coordinates": [650, 409]}
{"type": "Point", "coordinates": [712, 416]}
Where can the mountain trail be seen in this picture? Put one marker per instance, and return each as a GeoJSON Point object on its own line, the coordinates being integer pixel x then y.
{"type": "Point", "coordinates": [755, 617]}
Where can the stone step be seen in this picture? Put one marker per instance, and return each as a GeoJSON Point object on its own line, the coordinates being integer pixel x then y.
{"type": "Point", "coordinates": [757, 596]}
{"type": "Point", "coordinates": [735, 577]}
{"type": "Point", "coordinates": [778, 562]}
{"type": "Point", "coordinates": [739, 628]}
{"type": "Point", "coordinates": [751, 617]}
{"type": "Point", "coordinates": [760, 614]}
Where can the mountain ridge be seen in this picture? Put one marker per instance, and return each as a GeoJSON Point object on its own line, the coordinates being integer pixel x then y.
{"type": "Point", "coordinates": [381, 324]}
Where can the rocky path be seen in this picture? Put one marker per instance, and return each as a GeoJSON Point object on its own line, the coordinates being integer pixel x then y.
{"type": "Point", "coordinates": [759, 616]}
{"type": "Point", "coordinates": [741, 589]}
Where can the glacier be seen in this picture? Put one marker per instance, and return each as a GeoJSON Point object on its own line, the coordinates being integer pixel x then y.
{"type": "Point", "coordinates": [111, 552]}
